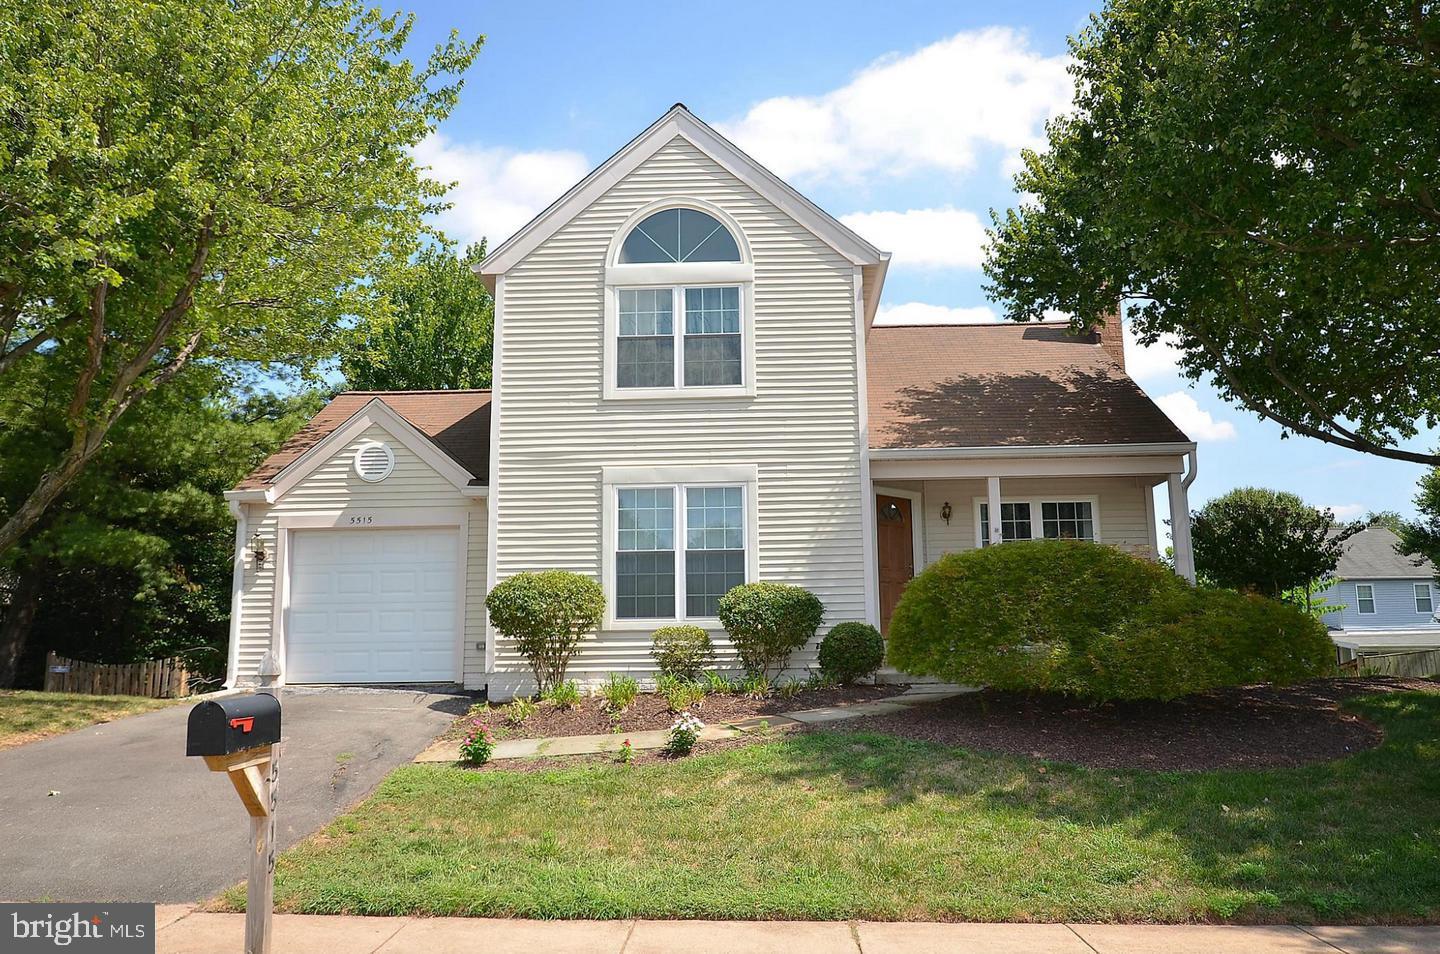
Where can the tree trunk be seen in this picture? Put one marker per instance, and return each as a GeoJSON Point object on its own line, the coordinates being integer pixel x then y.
{"type": "Point", "coordinates": [19, 615]}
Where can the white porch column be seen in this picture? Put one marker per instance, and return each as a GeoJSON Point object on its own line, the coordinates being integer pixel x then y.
{"type": "Point", "coordinates": [1180, 528]}
{"type": "Point", "coordinates": [997, 532]}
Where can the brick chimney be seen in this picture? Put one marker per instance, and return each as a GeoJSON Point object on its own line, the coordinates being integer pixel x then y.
{"type": "Point", "coordinates": [1111, 337]}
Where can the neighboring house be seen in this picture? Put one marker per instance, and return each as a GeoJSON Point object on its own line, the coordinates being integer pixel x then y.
{"type": "Point", "coordinates": [689, 394]}
{"type": "Point", "coordinates": [1385, 600]}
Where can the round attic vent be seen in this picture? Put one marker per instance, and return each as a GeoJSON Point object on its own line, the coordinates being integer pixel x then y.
{"type": "Point", "coordinates": [374, 461]}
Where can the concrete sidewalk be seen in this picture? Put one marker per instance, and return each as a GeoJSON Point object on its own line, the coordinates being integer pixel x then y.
{"type": "Point", "coordinates": [182, 932]}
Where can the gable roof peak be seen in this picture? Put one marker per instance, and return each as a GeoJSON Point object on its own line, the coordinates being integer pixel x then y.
{"type": "Point", "coordinates": [679, 121]}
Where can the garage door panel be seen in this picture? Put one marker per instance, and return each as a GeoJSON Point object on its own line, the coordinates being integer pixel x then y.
{"type": "Point", "coordinates": [372, 606]}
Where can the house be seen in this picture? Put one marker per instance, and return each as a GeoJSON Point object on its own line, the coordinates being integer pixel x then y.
{"type": "Point", "coordinates": [690, 393]}
{"type": "Point", "coordinates": [1384, 601]}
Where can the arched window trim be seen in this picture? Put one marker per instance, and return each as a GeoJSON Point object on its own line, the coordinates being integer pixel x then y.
{"type": "Point", "coordinates": [677, 275]}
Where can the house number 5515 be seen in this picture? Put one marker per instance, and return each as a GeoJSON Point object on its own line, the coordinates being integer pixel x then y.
{"type": "Point", "coordinates": [361, 519]}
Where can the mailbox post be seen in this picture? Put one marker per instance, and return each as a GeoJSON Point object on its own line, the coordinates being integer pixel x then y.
{"type": "Point", "coordinates": [240, 736]}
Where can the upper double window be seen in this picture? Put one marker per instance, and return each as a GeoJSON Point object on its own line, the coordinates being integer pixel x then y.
{"type": "Point", "coordinates": [679, 235]}
{"type": "Point", "coordinates": [679, 328]}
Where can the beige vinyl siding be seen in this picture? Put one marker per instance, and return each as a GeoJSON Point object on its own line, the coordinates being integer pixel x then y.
{"type": "Point", "coordinates": [800, 429]}
{"type": "Point", "coordinates": [1124, 518]}
{"type": "Point", "coordinates": [334, 488]}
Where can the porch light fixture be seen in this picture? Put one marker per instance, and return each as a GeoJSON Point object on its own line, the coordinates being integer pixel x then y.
{"type": "Point", "coordinates": [945, 512]}
{"type": "Point", "coordinates": [257, 547]}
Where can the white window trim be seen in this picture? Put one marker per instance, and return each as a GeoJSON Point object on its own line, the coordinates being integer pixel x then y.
{"type": "Point", "coordinates": [1371, 599]}
{"type": "Point", "coordinates": [1429, 594]}
{"type": "Point", "coordinates": [679, 275]}
{"type": "Point", "coordinates": [1037, 523]}
{"type": "Point", "coordinates": [746, 387]}
{"type": "Point", "coordinates": [616, 478]}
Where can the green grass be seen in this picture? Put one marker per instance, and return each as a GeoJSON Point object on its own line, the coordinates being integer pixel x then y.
{"type": "Point", "coordinates": [26, 716]}
{"type": "Point", "coordinates": [837, 826]}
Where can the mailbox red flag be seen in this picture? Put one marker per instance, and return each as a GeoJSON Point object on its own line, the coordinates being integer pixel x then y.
{"type": "Point", "coordinates": [244, 725]}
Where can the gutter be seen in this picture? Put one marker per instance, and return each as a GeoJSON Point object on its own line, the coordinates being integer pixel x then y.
{"type": "Point", "coordinates": [1037, 450]}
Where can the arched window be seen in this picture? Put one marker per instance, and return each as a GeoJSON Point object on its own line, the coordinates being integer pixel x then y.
{"type": "Point", "coordinates": [679, 235]}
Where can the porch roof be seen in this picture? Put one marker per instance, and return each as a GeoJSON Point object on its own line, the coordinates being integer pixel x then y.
{"type": "Point", "coordinates": [1003, 385]}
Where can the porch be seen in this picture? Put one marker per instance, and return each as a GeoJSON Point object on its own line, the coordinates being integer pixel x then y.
{"type": "Point", "coordinates": [930, 502]}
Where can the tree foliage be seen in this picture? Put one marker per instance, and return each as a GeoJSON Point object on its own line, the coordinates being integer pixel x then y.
{"type": "Point", "coordinates": [198, 180]}
{"type": "Point", "coordinates": [435, 332]}
{"type": "Point", "coordinates": [1266, 541]}
{"type": "Point", "coordinates": [133, 561]}
{"type": "Point", "coordinates": [1421, 537]}
{"type": "Point", "coordinates": [1260, 180]}
{"type": "Point", "coordinates": [546, 615]}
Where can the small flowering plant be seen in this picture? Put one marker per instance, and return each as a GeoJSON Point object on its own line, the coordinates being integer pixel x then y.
{"type": "Point", "coordinates": [478, 744]}
{"type": "Point", "coordinates": [627, 752]}
{"type": "Point", "coordinates": [684, 734]}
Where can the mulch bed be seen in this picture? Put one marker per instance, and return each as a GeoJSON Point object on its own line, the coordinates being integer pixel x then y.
{"type": "Point", "coordinates": [1244, 728]}
{"type": "Point", "coordinates": [649, 711]}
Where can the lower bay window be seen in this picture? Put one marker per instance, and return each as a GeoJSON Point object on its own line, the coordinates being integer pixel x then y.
{"type": "Point", "coordinates": [1040, 519]}
{"type": "Point", "coordinates": [677, 540]}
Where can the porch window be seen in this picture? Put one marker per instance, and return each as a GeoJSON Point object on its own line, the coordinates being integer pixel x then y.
{"type": "Point", "coordinates": [1365, 599]}
{"type": "Point", "coordinates": [1073, 520]}
{"type": "Point", "coordinates": [1014, 522]}
{"type": "Point", "coordinates": [1424, 601]}
{"type": "Point", "coordinates": [651, 583]}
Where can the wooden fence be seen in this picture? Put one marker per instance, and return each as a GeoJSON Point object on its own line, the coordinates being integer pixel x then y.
{"type": "Point", "coordinates": [156, 678]}
{"type": "Point", "coordinates": [1415, 664]}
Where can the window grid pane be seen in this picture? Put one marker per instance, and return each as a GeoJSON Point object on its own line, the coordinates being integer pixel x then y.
{"type": "Point", "coordinates": [1365, 597]}
{"type": "Point", "coordinates": [712, 311]}
{"type": "Point", "coordinates": [1014, 522]}
{"type": "Point", "coordinates": [645, 363]}
{"type": "Point", "coordinates": [646, 312]}
{"type": "Point", "coordinates": [645, 563]}
{"type": "Point", "coordinates": [1068, 520]}
{"type": "Point", "coordinates": [715, 547]}
{"type": "Point", "coordinates": [712, 337]}
{"type": "Point", "coordinates": [1424, 602]}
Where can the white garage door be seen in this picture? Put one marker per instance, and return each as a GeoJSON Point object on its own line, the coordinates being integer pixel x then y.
{"type": "Point", "coordinates": [372, 606]}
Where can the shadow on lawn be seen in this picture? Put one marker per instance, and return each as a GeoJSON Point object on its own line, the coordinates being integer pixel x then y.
{"type": "Point", "coordinates": [1325, 842]}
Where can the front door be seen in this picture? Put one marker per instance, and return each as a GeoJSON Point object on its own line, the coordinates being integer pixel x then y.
{"type": "Point", "coordinates": [895, 544]}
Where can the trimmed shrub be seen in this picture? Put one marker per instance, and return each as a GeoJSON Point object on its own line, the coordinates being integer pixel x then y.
{"type": "Point", "coordinates": [546, 615]}
{"type": "Point", "coordinates": [769, 621]}
{"type": "Point", "coordinates": [851, 651]}
{"type": "Point", "coordinates": [681, 651]}
{"type": "Point", "coordinates": [1091, 621]}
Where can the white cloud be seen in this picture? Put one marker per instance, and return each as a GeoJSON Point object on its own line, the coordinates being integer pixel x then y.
{"type": "Point", "coordinates": [497, 189]}
{"type": "Point", "coordinates": [946, 237]}
{"type": "Point", "coordinates": [1145, 363]}
{"type": "Point", "coordinates": [919, 313]}
{"type": "Point", "coordinates": [935, 108]}
{"type": "Point", "coordinates": [1193, 419]}
{"type": "Point", "coordinates": [1347, 511]}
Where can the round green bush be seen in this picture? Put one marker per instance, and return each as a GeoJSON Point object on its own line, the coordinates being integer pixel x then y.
{"type": "Point", "coordinates": [769, 621]}
{"type": "Point", "coordinates": [1091, 621]}
{"type": "Point", "coordinates": [851, 651]}
{"type": "Point", "coordinates": [546, 614]}
{"type": "Point", "coordinates": [681, 651]}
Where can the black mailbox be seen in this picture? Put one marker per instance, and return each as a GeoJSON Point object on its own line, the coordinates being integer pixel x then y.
{"type": "Point", "coordinates": [223, 726]}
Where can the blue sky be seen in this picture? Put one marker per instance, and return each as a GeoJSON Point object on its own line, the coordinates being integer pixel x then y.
{"type": "Point", "coordinates": [903, 120]}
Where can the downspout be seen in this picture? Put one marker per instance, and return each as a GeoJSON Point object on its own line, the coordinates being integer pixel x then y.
{"type": "Point", "coordinates": [1191, 471]}
{"type": "Point", "coordinates": [237, 589]}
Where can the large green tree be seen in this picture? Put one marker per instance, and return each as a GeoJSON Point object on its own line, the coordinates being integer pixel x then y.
{"type": "Point", "coordinates": [436, 332]}
{"type": "Point", "coordinates": [1421, 537]}
{"type": "Point", "coordinates": [1266, 541]}
{"type": "Point", "coordinates": [1259, 179]}
{"type": "Point", "coordinates": [197, 181]}
{"type": "Point", "coordinates": [134, 559]}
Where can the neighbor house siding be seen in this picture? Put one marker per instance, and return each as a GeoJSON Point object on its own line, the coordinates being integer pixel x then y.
{"type": "Point", "coordinates": [334, 488]}
{"type": "Point", "coordinates": [1124, 517]}
{"type": "Point", "coordinates": [800, 430]}
{"type": "Point", "coordinates": [1394, 606]}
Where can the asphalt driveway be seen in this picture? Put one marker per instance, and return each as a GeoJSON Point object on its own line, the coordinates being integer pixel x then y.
{"type": "Point", "coordinates": [116, 812]}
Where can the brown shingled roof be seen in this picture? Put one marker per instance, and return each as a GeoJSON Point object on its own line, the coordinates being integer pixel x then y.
{"type": "Point", "coordinates": [458, 422]}
{"type": "Point", "coordinates": [1003, 385]}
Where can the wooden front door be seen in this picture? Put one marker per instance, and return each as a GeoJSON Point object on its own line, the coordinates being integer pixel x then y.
{"type": "Point", "coordinates": [895, 544]}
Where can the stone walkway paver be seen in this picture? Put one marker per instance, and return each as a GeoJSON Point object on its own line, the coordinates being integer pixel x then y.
{"type": "Point", "coordinates": [448, 750]}
{"type": "Point", "coordinates": [202, 933]}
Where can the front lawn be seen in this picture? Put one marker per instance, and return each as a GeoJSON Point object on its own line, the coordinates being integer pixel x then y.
{"type": "Point", "coordinates": [26, 716]}
{"type": "Point", "coordinates": [837, 825]}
